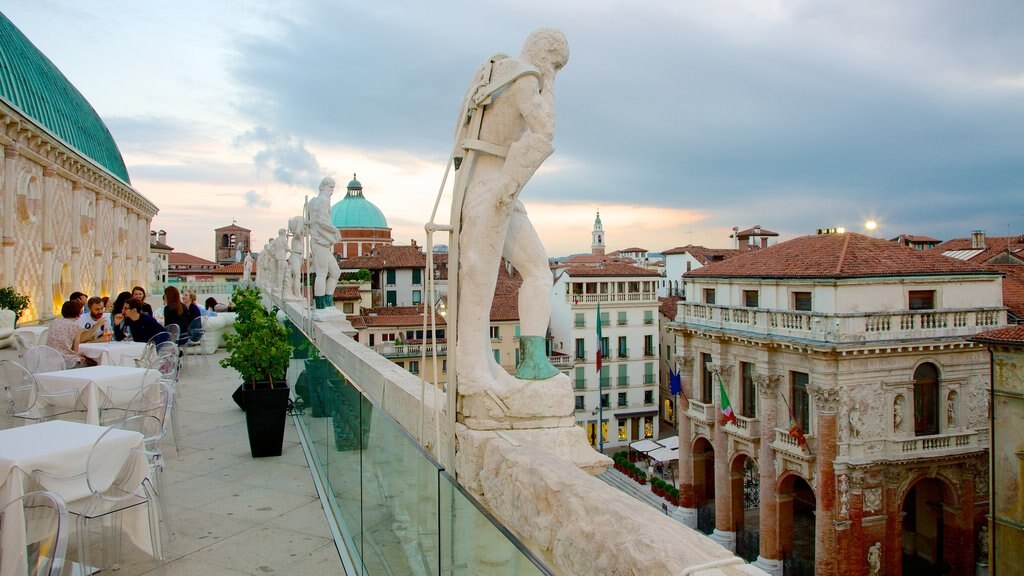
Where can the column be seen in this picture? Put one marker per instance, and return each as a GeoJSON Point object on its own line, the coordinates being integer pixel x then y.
{"type": "Point", "coordinates": [76, 241]}
{"type": "Point", "coordinates": [10, 197]}
{"type": "Point", "coordinates": [892, 546]}
{"type": "Point", "coordinates": [826, 403]}
{"type": "Point", "coordinates": [725, 531]}
{"type": "Point", "coordinates": [770, 557]}
{"type": "Point", "coordinates": [687, 510]}
{"type": "Point", "coordinates": [959, 540]}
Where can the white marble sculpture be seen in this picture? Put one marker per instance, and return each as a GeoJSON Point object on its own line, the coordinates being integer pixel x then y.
{"type": "Point", "coordinates": [156, 267]}
{"type": "Point", "coordinates": [247, 269]}
{"type": "Point", "coordinates": [293, 281]}
{"type": "Point", "coordinates": [323, 236]}
{"type": "Point", "coordinates": [875, 559]}
{"type": "Point", "coordinates": [504, 134]}
{"type": "Point", "coordinates": [279, 261]}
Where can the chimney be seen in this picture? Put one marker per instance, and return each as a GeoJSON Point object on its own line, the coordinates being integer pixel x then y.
{"type": "Point", "coordinates": [161, 237]}
{"type": "Point", "coordinates": [736, 236]}
{"type": "Point", "coordinates": [978, 239]}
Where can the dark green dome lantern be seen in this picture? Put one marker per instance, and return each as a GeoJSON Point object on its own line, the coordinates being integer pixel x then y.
{"type": "Point", "coordinates": [30, 83]}
{"type": "Point", "coordinates": [355, 211]}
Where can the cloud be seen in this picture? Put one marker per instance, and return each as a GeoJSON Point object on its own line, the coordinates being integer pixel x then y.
{"type": "Point", "coordinates": [254, 199]}
{"type": "Point", "coordinates": [285, 158]}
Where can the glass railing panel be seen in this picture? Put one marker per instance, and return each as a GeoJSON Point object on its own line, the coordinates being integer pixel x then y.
{"type": "Point", "coordinates": [472, 542]}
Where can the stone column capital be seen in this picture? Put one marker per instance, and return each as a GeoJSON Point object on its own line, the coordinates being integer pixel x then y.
{"type": "Point", "coordinates": [767, 384]}
{"type": "Point", "coordinates": [49, 172]}
{"type": "Point", "coordinates": [11, 151]}
{"type": "Point", "coordinates": [688, 365]}
{"type": "Point", "coordinates": [826, 400]}
{"type": "Point", "coordinates": [723, 370]}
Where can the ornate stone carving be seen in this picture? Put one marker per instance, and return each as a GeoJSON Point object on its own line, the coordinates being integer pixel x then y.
{"type": "Point", "coordinates": [767, 384]}
{"type": "Point", "coordinates": [825, 399]}
{"type": "Point", "coordinates": [875, 559]}
{"type": "Point", "coordinates": [897, 414]}
{"type": "Point", "coordinates": [688, 365]}
{"type": "Point", "coordinates": [844, 495]}
{"type": "Point", "coordinates": [872, 499]}
{"type": "Point", "coordinates": [977, 403]}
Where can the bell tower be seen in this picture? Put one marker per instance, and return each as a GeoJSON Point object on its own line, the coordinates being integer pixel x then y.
{"type": "Point", "coordinates": [597, 237]}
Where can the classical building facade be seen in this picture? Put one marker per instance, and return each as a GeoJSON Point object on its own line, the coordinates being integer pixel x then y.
{"type": "Point", "coordinates": [624, 395]}
{"type": "Point", "coordinates": [860, 347]}
{"type": "Point", "coordinates": [71, 220]}
{"type": "Point", "coordinates": [362, 225]}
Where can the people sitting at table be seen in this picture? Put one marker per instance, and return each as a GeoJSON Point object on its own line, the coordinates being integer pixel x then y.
{"type": "Point", "coordinates": [95, 324]}
{"type": "Point", "coordinates": [177, 312]}
{"type": "Point", "coordinates": [190, 301]}
{"type": "Point", "coordinates": [139, 325]}
{"type": "Point", "coordinates": [140, 293]}
{"type": "Point", "coordinates": [108, 305]}
{"type": "Point", "coordinates": [80, 297]}
{"type": "Point", "coordinates": [117, 321]}
{"type": "Point", "coordinates": [65, 334]}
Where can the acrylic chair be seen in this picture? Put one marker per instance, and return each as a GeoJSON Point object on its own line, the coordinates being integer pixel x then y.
{"type": "Point", "coordinates": [153, 429]}
{"type": "Point", "coordinates": [196, 337]}
{"type": "Point", "coordinates": [117, 399]}
{"type": "Point", "coordinates": [26, 401]}
{"type": "Point", "coordinates": [44, 519]}
{"type": "Point", "coordinates": [43, 359]}
{"type": "Point", "coordinates": [21, 344]}
{"type": "Point", "coordinates": [111, 492]}
{"type": "Point", "coordinates": [175, 331]}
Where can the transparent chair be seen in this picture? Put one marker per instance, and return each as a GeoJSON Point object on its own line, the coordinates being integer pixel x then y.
{"type": "Point", "coordinates": [43, 359]}
{"type": "Point", "coordinates": [21, 344]}
{"type": "Point", "coordinates": [42, 518]}
{"type": "Point", "coordinates": [26, 401]}
{"type": "Point", "coordinates": [153, 430]}
{"type": "Point", "coordinates": [112, 490]}
{"type": "Point", "coordinates": [196, 337]}
{"type": "Point", "coordinates": [117, 399]}
{"type": "Point", "coordinates": [175, 331]}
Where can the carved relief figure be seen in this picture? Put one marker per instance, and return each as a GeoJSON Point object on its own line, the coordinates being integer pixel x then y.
{"type": "Point", "coordinates": [844, 496]}
{"type": "Point", "coordinates": [951, 410]}
{"type": "Point", "coordinates": [875, 559]}
{"type": "Point", "coordinates": [504, 134]}
{"type": "Point", "coordinates": [897, 414]}
{"type": "Point", "coordinates": [983, 543]}
{"type": "Point", "coordinates": [855, 425]}
{"type": "Point", "coordinates": [293, 280]}
{"type": "Point", "coordinates": [323, 236]}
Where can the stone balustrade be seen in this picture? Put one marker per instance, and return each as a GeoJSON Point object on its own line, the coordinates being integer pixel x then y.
{"type": "Point", "coordinates": [954, 442]}
{"type": "Point", "coordinates": [786, 443]}
{"type": "Point", "coordinates": [746, 428]}
{"type": "Point", "coordinates": [701, 412]}
{"type": "Point", "coordinates": [617, 297]}
{"type": "Point", "coordinates": [391, 350]}
{"type": "Point", "coordinates": [842, 328]}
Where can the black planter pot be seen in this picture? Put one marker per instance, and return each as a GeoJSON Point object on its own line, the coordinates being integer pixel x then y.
{"type": "Point", "coordinates": [265, 410]}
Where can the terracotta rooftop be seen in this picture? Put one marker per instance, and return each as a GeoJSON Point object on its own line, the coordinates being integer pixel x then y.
{"type": "Point", "coordinates": [235, 268]}
{"type": "Point", "coordinates": [634, 249]}
{"type": "Point", "coordinates": [1009, 335]}
{"type": "Point", "coordinates": [186, 258]}
{"type": "Point", "coordinates": [592, 259]}
{"type": "Point", "coordinates": [848, 255]}
{"type": "Point", "coordinates": [383, 257]}
{"type": "Point", "coordinates": [158, 245]}
{"type": "Point", "coordinates": [391, 316]}
{"type": "Point", "coordinates": [915, 238]}
{"type": "Point", "coordinates": [610, 268]}
{"type": "Point", "coordinates": [994, 246]}
{"type": "Point", "coordinates": [346, 293]}
{"type": "Point", "coordinates": [667, 306]}
{"type": "Point", "coordinates": [755, 231]}
{"type": "Point", "coordinates": [703, 255]}
{"type": "Point", "coordinates": [1013, 287]}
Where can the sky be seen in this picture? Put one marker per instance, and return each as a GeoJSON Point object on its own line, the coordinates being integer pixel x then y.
{"type": "Point", "coordinates": [677, 119]}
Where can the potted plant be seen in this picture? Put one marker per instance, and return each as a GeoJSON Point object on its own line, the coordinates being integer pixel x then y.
{"type": "Point", "coordinates": [260, 351]}
{"type": "Point", "coordinates": [13, 301]}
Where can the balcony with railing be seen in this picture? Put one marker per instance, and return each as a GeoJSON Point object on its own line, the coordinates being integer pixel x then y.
{"type": "Point", "coordinates": [561, 361]}
{"type": "Point", "coordinates": [392, 350]}
{"type": "Point", "coordinates": [619, 297]}
{"type": "Point", "coordinates": [841, 328]}
{"type": "Point", "coordinates": [954, 442]}
{"type": "Point", "coordinates": [701, 412]}
{"type": "Point", "coordinates": [623, 381]}
{"type": "Point", "coordinates": [788, 445]}
{"type": "Point", "coordinates": [649, 379]}
{"type": "Point", "coordinates": [745, 428]}
{"type": "Point", "coordinates": [623, 353]}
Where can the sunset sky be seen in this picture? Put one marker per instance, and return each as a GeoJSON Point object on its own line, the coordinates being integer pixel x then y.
{"type": "Point", "coordinates": [677, 119]}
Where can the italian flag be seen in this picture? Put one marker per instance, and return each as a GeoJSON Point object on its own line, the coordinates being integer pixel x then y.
{"type": "Point", "coordinates": [727, 414]}
{"type": "Point", "coordinates": [599, 339]}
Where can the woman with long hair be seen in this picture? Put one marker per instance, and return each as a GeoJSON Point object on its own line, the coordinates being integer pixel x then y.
{"type": "Point", "coordinates": [115, 315]}
{"type": "Point", "coordinates": [176, 312]}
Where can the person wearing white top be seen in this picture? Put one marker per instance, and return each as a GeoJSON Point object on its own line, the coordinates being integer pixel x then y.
{"type": "Point", "coordinates": [95, 323]}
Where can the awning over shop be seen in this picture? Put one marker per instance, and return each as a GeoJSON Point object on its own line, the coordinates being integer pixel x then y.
{"type": "Point", "coordinates": [670, 442]}
{"type": "Point", "coordinates": [645, 446]}
{"type": "Point", "coordinates": [664, 454]}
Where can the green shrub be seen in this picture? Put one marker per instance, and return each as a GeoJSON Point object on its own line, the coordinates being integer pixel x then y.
{"type": "Point", "coordinates": [11, 300]}
{"type": "Point", "coordinates": [259, 349]}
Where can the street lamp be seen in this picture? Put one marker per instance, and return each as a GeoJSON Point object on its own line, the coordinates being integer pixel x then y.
{"type": "Point", "coordinates": [870, 226]}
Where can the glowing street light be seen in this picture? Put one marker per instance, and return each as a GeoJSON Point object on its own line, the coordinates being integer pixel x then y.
{"type": "Point", "coordinates": [871, 225]}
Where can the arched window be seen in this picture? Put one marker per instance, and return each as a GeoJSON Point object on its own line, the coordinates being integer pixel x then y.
{"type": "Point", "coordinates": [926, 400]}
{"type": "Point", "coordinates": [224, 240]}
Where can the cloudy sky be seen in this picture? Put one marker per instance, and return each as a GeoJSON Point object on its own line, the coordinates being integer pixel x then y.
{"type": "Point", "coordinates": [678, 119]}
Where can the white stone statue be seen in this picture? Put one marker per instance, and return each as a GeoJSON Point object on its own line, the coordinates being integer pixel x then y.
{"type": "Point", "coordinates": [503, 136]}
{"type": "Point", "coordinates": [951, 410]}
{"type": "Point", "coordinates": [247, 269]}
{"type": "Point", "coordinates": [156, 267]}
{"type": "Point", "coordinates": [897, 414]}
{"type": "Point", "coordinates": [323, 236]}
{"type": "Point", "coordinates": [279, 261]}
{"type": "Point", "coordinates": [875, 559]}
{"type": "Point", "coordinates": [983, 544]}
{"type": "Point", "coordinates": [296, 254]}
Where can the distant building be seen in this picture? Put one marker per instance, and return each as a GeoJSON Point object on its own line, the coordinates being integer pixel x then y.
{"type": "Point", "coordinates": [1004, 254]}
{"type": "Point", "coordinates": [916, 242]}
{"type": "Point", "coordinates": [362, 225]}
{"type": "Point", "coordinates": [397, 273]}
{"type": "Point", "coordinates": [754, 238]}
{"type": "Point", "coordinates": [231, 243]}
{"type": "Point", "coordinates": [682, 259]}
{"type": "Point", "coordinates": [1006, 529]}
{"type": "Point", "coordinates": [158, 247]}
{"type": "Point", "coordinates": [627, 385]}
{"type": "Point", "coordinates": [861, 347]}
{"type": "Point", "coordinates": [185, 267]}
{"type": "Point", "coordinates": [597, 242]}
{"type": "Point", "coordinates": [70, 219]}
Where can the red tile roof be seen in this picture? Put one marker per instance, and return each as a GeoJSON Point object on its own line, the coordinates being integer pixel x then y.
{"type": "Point", "coordinates": [704, 255]}
{"type": "Point", "coordinates": [667, 307]}
{"type": "Point", "coordinates": [186, 258]}
{"type": "Point", "coordinates": [994, 246]}
{"type": "Point", "coordinates": [392, 316]}
{"type": "Point", "coordinates": [848, 255]}
{"type": "Point", "coordinates": [915, 238]}
{"type": "Point", "coordinates": [1009, 335]}
{"type": "Point", "coordinates": [383, 257]}
{"type": "Point", "coordinates": [235, 268]}
{"type": "Point", "coordinates": [609, 268]}
{"type": "Point", "coordinates": [1013, 287]}
{"type": "Point", "coordinates": [346, 293]}
{"type": "Point", "coordinates": [755, 231]}
{"type": "Point", "coordinates": [634, 249]}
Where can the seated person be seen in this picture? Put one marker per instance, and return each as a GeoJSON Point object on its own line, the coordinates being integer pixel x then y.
{"type": "Point", "coordinates": [117, 321]}
{"type": "Point", "coordinates": [95, 324]}
{"type": "Point", "coordinates": [176, 311]}
{"type": "Point", "coordinates": [80, 297]}
{"type": "Point", "coordinates": [64, 334]}
{"type": "Point", "coordinates": [211, 307]}
{"type": "Point", "coordinates": [189, 300]}
{"type": "Point", "coordinates": [140, 326]}
{"type": "Point", "coordinates": [140, 293]}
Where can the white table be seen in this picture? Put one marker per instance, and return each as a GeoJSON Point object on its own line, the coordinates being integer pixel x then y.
{"type": "Point", "coordinates": [96, 383]}
{"type": "Point", "coordinates": [112, 353]}
{"type": "Point", "coordinates": [62, 449]}
{"type": "Point", "coordinates": [34, 335]}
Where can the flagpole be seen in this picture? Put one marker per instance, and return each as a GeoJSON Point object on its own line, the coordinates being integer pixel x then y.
{"type": "Point", "coordinates": [600, 383]}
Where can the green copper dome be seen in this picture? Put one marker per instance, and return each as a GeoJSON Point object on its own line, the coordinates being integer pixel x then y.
{"type": "Point", "coordinates": [355, 211]}
{"type": "Point", "coordinates": [33, 85]}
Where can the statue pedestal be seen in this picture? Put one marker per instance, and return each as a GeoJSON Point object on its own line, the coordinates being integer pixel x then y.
{"type": "Point", "coordinates": [530, 404]}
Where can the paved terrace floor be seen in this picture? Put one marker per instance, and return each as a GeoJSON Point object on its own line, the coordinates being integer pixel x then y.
{"type": "Point", "coordinates": [228, 513]}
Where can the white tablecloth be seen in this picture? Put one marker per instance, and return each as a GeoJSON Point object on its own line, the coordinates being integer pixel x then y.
{"type": "Point", "coordinates": [96, 383]}
{"type": "Point", "coordinates": [62, 448]}
{"type": "Point", "coordinates": [35, 335]}
{"type": "Point", "coordinates": [112, 353]}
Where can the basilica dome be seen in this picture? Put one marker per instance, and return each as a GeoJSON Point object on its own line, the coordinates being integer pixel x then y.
{"type": "Point", "coordinates": [31, 83]}
{"type": "Point", "coordinates": [355, 211]}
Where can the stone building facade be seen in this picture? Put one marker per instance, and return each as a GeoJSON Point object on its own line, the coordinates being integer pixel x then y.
{"type": "Point", "coordinates": [863, 345]}
{"type": "Point", "coordinates": [70, 219]}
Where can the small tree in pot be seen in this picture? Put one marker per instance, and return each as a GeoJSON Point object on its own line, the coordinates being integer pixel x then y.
{"type": "Point", "coordinates": [260, 351]}
{"type": "Point", "coordinates": [11, 300]}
